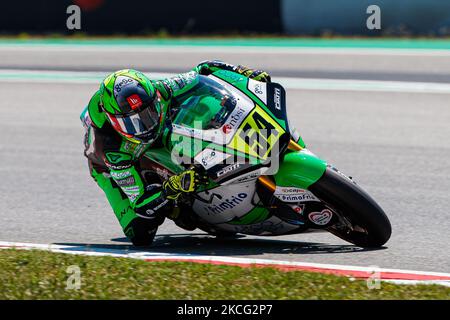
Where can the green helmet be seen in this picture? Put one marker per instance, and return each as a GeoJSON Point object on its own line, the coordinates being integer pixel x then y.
{"type": "Point", "coordinates": [132, 105]}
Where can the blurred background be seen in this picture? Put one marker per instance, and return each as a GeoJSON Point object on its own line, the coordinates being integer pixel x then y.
{"type": "Point", "coordinates": [287, 17]}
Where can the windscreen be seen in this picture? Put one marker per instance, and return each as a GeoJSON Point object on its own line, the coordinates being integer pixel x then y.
{"type": "Point", "coordinates": [206, 106]}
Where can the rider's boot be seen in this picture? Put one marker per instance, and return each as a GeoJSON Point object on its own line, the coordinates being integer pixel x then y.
{"type": "Point", "coordinates": [183, 219]}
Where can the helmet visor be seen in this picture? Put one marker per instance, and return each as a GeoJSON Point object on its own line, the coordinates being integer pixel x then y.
{"type": "Point", "coordinates": [142, 123]}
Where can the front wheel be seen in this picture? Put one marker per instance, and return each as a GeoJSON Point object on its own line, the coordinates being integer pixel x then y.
{"type": "Point", "coordinates": [361, 220]}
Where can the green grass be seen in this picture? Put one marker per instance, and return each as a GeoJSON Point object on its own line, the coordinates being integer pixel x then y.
{"type": "Point", "coordinates": [42, 275]}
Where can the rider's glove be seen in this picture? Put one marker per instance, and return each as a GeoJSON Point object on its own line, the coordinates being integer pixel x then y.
{"type": "Point", "coordinates": [185, 182]}
{"type": "Point", "coordinates": [257, 75]}
{"type": "Point", "coordinates": [209, 66]}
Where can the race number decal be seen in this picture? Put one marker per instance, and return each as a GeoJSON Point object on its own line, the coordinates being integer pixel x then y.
{"type": "Point", "coordinates": [257, 135]}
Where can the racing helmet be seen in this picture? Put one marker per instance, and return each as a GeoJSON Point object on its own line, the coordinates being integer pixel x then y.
{"type": "Point", "coordinates": [132, 105]}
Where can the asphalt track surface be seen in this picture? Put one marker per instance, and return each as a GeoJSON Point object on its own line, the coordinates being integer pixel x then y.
{"type": "Point", "coordinates": [394, 143]}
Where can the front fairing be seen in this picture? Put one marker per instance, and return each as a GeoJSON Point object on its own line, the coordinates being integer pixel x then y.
{"type": "Point", "coordinates": [227, 132]}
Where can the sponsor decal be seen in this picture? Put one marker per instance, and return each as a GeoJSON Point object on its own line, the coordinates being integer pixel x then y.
{"type": "Point", "coordinates": [121, 82]}
{"type": "Point", "coordinates": [259, 89]}
{"type": "Point", "coordinates": [132, 192]}
{"type": "Point", "coordinates": [277, 98]}
{"type": "Point", "coordinates": [117, 157]}
{"type": "Point", "coordinates": [210, 157]}
{"type": "Point", "coordinates": [320, 218]}
{"type": "Point", "coordinates": [120, 175]}
{"type": "Point", "coordinates": [298, 208]}
{"type": "Point", "coordinates": [131, 189]}
{"type": "Point", "coordinates": [117, 167]}
{"type": "Point", "coordinates": [113, 157]}
{"type": "Point", "coordinates": [228, 169]}
{"type": "Point", "coordinates": [293, 194]}
{"type": "Point", "coordinates": [134, 101]}
{"type": "Point", "coordinates": [132, 196]}
{"type": "Point", "coordinates": [236, 117]}
{"type": "Point", "coordinates": [129, 146]}
{"type": "Point", "coordinates": [248, 177]}
{"type": "Point", "coordinates": [225, 203]}
{"type": "Point", "coordinates": [227, 128]}
{"type": "Point", "coordinates": [307, 196]}
{"type": "Point", "coordinates": [229, 203]}
{"type": "Point", "coordinates": [289, 190]}
{"type": "Point", "coordinates": [190, 132]}
{"type": "Point", "coordinates": [150, 212]}
{"type": "Point", "coordinates": [123, 213]}
{"type": "Point", "coordinates": [129, 181]}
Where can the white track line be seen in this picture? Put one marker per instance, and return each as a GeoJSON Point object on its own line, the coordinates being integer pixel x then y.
{"type": "Point", "coordinates": [391, 275]}
{"type": "Point", "coordinates": [82, 77]}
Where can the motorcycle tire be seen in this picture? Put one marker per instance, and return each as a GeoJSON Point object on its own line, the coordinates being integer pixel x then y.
{"type": "Point", "coordinates": [370, 225]}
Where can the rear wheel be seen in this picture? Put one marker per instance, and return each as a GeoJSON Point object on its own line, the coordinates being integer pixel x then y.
{"type": "Point", "coordinates": [361, 220]}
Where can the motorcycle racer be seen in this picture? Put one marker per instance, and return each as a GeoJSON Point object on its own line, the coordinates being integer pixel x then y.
{"type": "Point", "coordinates": [123, 119]}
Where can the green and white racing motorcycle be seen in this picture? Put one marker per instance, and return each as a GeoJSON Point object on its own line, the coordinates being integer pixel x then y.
{"type": "Point", "coordinates": [262, 179]}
